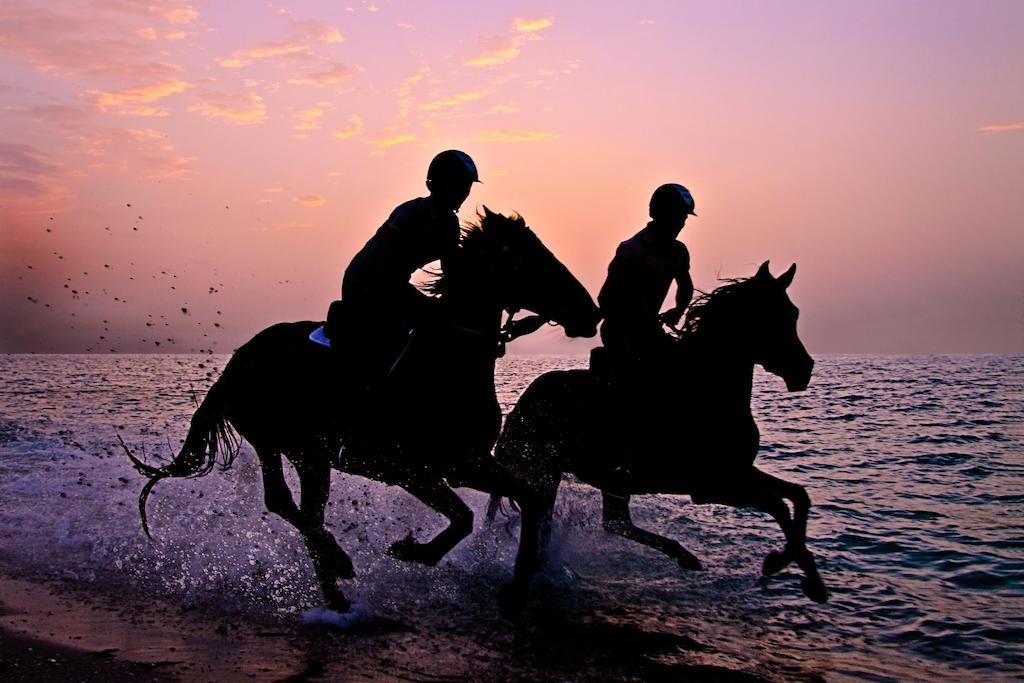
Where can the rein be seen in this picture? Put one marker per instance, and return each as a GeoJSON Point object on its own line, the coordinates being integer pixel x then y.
{"type": "Point", "coordinates": [511, 330]}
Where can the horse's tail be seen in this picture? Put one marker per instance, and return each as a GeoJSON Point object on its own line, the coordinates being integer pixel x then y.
{"type": "Point", "coordinates": [209, 435]}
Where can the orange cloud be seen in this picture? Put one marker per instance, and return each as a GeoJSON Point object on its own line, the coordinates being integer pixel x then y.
{"type": "Point", "coordinates": [1001, 127]}
{"type": "Point", "coordinates": [533, 25]}
{"type": "Point", "coordinates": [503, 109]}
{"type": "Point", "coordinates": [304, 34]}
{"type": "Point", "coordinates": [512, 135]}
{"type": "Point", "coordinates": [311, 200]}
{"type": "Point", "coordinates": [354, 127]}
{"type": "Point", "coordinates": [391, 140]}
{"type": "Point", "coordinates": [241, 108]}
{"type": "Point", "coordinates": [309, 119]}
{"type": "Point", "coordinates": [497, 50]}
{"type": "Point", "coordinates": [453, 101]}
{"type": "Point", "coordinates": [336, 74]}
{"type": "Point", "coordinates": [138, 101]}
{"type": "Point", "coordinates": [181, 15]}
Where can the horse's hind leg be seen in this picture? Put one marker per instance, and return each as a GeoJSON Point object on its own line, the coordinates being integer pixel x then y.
{"type": "Point", "coordinates": [329, 561]}
{"type": "Point", "coordinates": [616, 519]}
{"type": "Point", "coordinates": [437, 495]}
{"type": "Point", "coordinates": [534, 535]}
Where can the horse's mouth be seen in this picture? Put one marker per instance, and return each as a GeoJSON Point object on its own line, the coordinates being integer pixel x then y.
{"type": "Point", "coordinates": [579, 330]}
{"type": "Point", "coordinates": [798, 379]}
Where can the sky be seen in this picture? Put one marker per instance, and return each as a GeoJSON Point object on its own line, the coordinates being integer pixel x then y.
{"type": "Point", "coordinates": [189, 172]}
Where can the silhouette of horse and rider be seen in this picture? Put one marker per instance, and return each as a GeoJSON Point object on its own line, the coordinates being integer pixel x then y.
{"type": "Point", "coordinates": [397, 385]}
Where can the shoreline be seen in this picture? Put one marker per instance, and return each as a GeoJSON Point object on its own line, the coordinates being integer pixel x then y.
{"type": "Point", "coordinates": [50, 632]}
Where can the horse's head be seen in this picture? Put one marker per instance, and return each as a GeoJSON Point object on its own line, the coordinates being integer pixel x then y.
{"type": "Point", "coordinates": [756, 316]}
{"type": "Point", "coordinates": [521, 273]}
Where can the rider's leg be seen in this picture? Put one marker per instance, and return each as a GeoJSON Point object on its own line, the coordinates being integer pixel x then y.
{"type": "Point", "coordinates": [616, 519]}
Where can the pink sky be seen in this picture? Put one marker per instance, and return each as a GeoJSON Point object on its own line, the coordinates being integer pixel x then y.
{"type": "Point", "coordinates": [879, 145]}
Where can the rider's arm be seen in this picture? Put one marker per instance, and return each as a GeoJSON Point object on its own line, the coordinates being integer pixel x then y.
{"type": "Point", "coordinates": [684, 288]}
{"type": "Point", "coordinates": [617, 298]}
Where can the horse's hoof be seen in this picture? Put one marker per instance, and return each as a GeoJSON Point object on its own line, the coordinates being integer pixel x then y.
{"type": "Point", "coordinates": [511, 601]}
{"type": "Point", "coordinates": [689, 561]}
{"type": "Point", "coordinates": [343, 566]}
{"type": "Point", "coordinates": [775, 562]}
{"type": "Point", "coordinates": [814, 588]}
{"type": "Point", "coordinates": [409, 550]}
{"type": "Point", "coordinates": [338, 603]}
{"type": "Point", "coordinates": [404, 550]}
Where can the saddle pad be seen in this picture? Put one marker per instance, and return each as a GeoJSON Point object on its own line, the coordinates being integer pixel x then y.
{"type": "Point", "coordinates": [319, 337]}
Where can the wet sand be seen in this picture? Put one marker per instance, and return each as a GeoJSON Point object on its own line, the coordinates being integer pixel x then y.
{"type": "Point", "coordinates": [51, 631]}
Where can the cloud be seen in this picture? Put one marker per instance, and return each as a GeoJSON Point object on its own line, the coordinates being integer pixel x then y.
{"type": "Point", "coordinates": [404, 91]}
{"type": "Point", "coordinates": [512, 135]}
{"type": "Point", "coordinates": [331, 76]}
{"type": "Point", "coordinates": [274, 190]}
{"type": "Point", "coordinates": [391, 140]}
{"type": "Point", "coordinates": [241, 108]}
{"type": "Point", "coordinates": [138, 101]}
{"type": "Point", "coordinates": [1001, 127]}
{"type": "Point", "coordinates": [503, 109]}
{"type": "Point", "coordinates": [309, 119]}
{"type": "Point", "coordinates": [311, 200]}
{"type": "Point", "coordinates": [22, 159]}
{"type": "Point", "coordinates": [181, 15]}
{"type": "Point", "coordinates": [533, 25]}
{"type": "Point", "coordinates": [132, 150]}
{"type": "Point", "coordinates": [146, 33]}
{"type": "Point", "coordinates": [303, 35]}
{"type": "Point", "coordinates": [496, 50]}
{"type": "Point", "coordinates": [57, 116]}
{"type": "Point", "coordinates": [406, 25]}
{"type": "Point", "coordinates": [453, 101]}
{"type": "Point", "coordinates": [354, 127]}
{"type": "Point", "coordinates": [501, 49]}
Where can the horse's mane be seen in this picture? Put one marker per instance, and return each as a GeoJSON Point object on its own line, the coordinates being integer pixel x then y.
{"type": "Point", "coordinates": [707, 303]}
{"type": "Point", "coordinates": [473, 236]}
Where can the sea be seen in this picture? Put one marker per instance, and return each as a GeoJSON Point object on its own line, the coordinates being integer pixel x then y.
{"type": "Point", "coordinates": [914, 465]}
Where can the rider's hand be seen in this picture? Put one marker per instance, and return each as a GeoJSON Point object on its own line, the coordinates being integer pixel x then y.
{"type": "Point", "coordinates": [671, 317]}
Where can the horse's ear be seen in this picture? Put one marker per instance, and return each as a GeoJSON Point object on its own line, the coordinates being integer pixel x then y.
{"type": "Point", "coordinates": [786, 279]}
{"type": "Point", "coordinates": [763, 271]}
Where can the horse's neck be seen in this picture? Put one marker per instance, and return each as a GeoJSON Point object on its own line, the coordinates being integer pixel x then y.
{"type": "Point", "coordinates": [723, 374]}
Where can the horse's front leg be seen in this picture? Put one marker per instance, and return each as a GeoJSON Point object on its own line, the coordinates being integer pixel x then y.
{"type": "Point", "coordinates": [765, 492]}
{"type": "Point", "coordinates": [616, 519]}
{"type": "Point", "coordinates": [437, 495]}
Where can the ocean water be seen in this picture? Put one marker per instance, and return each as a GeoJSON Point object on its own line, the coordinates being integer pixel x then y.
{"type": "Point", "coordinates": [915, 466]}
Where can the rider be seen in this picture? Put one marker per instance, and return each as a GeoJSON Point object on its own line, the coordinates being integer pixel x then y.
{"type": "Point", "coordinates": [636, 345]}
{"type": "Point", "coordinates": [379, 305]}
{"type": "Point", "coordinates": [638, 281]}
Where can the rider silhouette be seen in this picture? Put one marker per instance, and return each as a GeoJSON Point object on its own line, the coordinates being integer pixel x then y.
{"type": "Point", "coordinates": [378, 304]}
{"type": "Point", "coordinates": [637, 346]}
{"type": "Point", "coordinates": [638, 281]}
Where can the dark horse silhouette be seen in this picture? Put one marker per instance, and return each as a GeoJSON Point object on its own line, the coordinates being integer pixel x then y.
{"type": "Point", "coordinates": [430, 428]}
{"type": "Point", "coordinates": [700, 438]}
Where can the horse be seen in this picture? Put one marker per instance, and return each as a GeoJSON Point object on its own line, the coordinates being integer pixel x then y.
{"type": "Point", "coordinates": [287, 396]}
{"type": "Point", "coordinates": [695, 415]}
